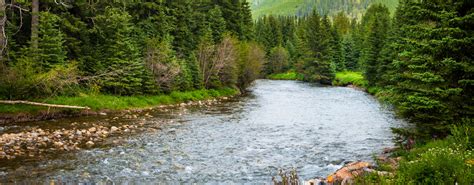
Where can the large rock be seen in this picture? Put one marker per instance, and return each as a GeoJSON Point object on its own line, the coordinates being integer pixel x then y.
{"type": "Point", "coordinates": [346, 174]}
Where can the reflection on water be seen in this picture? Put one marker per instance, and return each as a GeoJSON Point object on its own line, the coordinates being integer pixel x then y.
{"type": "Point", "coordinates": [280, 124]}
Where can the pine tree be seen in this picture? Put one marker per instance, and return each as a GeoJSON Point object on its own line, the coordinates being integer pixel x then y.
{"type": "Point", "coordinates": [378, 20]}
{"type": "Point", "coordinates": [318, 66]}
{"type": "Point", "coordinates": [119, 53]}
{"type": "Point", "coordinates": [216, 23]}
{"type": "Point", "coordinates": [50, 41]}
{"type": "Point", "coordinates": [337, 56]}
{"type": "Point", "coordinates": [350, 60]}
{"type": "Point", "coordinates": [434, 68]}
{"type": "Point", "coordinates": [246, 22]}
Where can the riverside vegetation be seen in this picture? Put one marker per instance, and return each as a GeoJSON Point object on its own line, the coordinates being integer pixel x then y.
{"type": "Point", "coordinates": [105, 55]}
{"type": "Point", "coordinates": [125, 55]}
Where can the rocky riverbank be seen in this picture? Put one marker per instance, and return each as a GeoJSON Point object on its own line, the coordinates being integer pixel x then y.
{"type": "Point", "coordinates": [36, 141]}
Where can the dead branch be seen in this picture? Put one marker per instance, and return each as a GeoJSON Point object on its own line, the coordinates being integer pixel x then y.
{"type": "Point", "coordinates": [14, 102]}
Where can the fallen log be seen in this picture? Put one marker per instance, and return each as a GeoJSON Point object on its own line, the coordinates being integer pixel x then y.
{"type": "Point", "coordinates": [13, 102]}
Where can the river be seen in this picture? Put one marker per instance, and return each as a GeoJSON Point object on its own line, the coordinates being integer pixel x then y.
{"type": "Point", "coordinates": [278, 125]}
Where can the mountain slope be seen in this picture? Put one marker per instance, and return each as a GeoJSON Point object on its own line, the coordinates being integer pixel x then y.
{"type": "Point", "coordinates": [354, 8]}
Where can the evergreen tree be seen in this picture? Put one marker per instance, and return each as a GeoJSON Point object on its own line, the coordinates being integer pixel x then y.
{"type": "Point", "coordinates": [318, 66]}
{"type": "Point", "coordinates": [434, 68]}
{"type": "Point", "coordinates": [337, 56]}
{"type": "Point", "coordinates": [379, 22]}
{"type": "Point", "coordinates": [119, 53]}
{"type": "Point", "coordinates": [216, 23]}
{"type": "Point", "coordinates": [350, 60]}
{"type": "Point", "coordinates": [50, 42]}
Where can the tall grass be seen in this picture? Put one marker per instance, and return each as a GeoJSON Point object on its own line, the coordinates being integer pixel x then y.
{"type": "Point", "coordinates": [350, 78]}
{"type": "Point", "coordinates": [286, 76]}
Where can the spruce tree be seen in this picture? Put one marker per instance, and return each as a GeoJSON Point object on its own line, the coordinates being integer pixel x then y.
{"type": "Point", "coordinates": [378, 21]}
{"type": "Point", "coordinates": [350, 60]}
{"type": "Point", "coordinates": [434, 68]}
{"type": "Point", "coordinates": [318, 66]}
{"type": "Point", "coordinates": [119, 52]}
{"type": "Point", "coordinates": [337, 58]}
{"type": "Point", "coordinates": [216, 23]}
{"type": "Point", "coordinates": [51, 49]}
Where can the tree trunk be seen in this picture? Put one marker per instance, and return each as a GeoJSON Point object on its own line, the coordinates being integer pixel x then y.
{"type": "Point", "coordinates": [3, 37]}
{"type": "Point", "coordinates": [34, 23]}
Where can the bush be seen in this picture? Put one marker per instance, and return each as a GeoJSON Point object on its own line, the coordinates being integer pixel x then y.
{"type": "Point", "coordinates": [439, 165]}
{"type": "Point", "coordinates": [447, 161]}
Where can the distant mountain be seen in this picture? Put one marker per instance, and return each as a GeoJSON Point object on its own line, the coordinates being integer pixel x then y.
{"type": "Point", "coordinates": [354, 8]}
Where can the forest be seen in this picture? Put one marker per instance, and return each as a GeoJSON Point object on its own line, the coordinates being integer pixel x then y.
{"type": "Point", "coordinates": [129, 48]}
{"type": "Point", "coordinates": [417, 57]}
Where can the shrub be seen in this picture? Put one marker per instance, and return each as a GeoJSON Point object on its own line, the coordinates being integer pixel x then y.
{"type": "Point", "coordinates": [439, 165]}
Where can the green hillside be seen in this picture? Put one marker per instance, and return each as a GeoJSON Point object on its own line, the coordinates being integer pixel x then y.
{"type": "Point", "coordinates": [354, 8]}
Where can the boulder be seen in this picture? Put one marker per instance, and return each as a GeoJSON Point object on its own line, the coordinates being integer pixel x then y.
{"type": "Point", "coordinates": [346, 174]}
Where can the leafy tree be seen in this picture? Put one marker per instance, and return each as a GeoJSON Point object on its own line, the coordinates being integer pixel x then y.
{"type": "Point", "coordinates": [277, 61]}
{"type": "Point", "coordinates": [251, 59]}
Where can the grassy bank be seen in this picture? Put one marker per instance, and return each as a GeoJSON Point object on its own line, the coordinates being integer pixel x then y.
{"type": "Point", "coordinates": [350, 78]}
{"type": "Point", "coordinates": [286, 76]}
{"type": "Point", "coordinates": [109, 102]}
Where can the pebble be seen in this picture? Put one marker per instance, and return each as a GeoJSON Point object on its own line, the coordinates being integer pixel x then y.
{"type": "Point", "coordinates": [113, 129]}
{"type": "Point", "coordinates": [90, 143]}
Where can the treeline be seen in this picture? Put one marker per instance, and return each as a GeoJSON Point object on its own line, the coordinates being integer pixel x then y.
{"type": "Point", "coordinates": [125, 47]}
{"type": "Point", "coordinates": [420, 59]}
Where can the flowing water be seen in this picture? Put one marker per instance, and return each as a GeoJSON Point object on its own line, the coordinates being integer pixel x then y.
{"type": "Point", "coordinates": [279, 125]}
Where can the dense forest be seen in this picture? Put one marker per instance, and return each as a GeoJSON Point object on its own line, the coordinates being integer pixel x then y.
{"type": "Point", "coordinates": [420, 60]}
{"type": "Point", "coordinates": [53, 48]}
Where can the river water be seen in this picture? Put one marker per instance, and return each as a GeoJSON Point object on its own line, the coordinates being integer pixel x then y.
{"type": "Point", "coordinates": [279, 125]}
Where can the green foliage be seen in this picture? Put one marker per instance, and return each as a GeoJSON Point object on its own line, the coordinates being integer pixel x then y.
{"type": "Point", "coordinates": [434, 64]}
{"type": "Point", "coordinates": [286, 76]}
{"type": "Point", "coordinates": [217, 23]}
{"type": "Point", "coordinates": [350, 78]}
{"type": "Point", "coordinates": [278, 60]}
{"type": "Point", "coordinates": [51, 51]}
{"type": "Point", "coordinates": [447, 161]}
{"type": "Point", "coordinates": [24, 80]}
{"type": "Point", "coordinates": [349, 54]}
{"type": "Point", "coordinates": [378, 22]}
{"type": "Point", "coordinates": [119, 53]}
{"type": "Point", "coordinates": [317, 65]}
{"type": "Point", "coordinates": [250, 63]}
